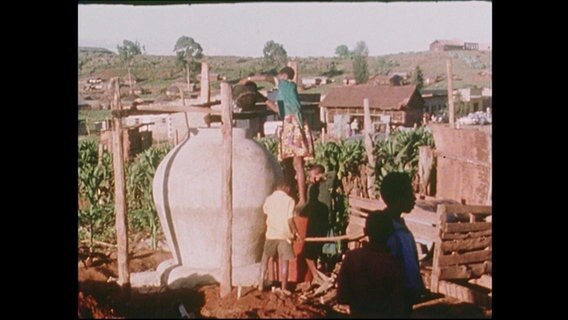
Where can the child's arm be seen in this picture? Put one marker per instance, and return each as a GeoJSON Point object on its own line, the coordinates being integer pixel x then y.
{"type": "Point", "coordinates": [294, 229]}
{"type": "Point", "coordinates": [272, 106]}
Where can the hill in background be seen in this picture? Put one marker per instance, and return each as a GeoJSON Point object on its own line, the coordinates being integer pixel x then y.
{"type": "Point", "coordinates": [155, 73]}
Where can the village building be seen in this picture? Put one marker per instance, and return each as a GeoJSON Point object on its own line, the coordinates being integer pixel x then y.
{"type": "Point", "coordinates": [446, 45]}
{"type": "Point", "coordinates": [348, 80]}
{"type": "Point", "coordinates": [315, 80]}
{"type": "Point", "coordinates": [402, 105]}
{"type": "Point", "coordinates": [435, 100]}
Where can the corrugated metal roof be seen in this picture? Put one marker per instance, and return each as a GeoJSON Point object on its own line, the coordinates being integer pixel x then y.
{"type": "Point", "coordinates": [381, 97]}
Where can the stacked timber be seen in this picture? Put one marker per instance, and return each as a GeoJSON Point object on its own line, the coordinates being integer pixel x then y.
{"type": "Point", "coordinates": [462, 253]}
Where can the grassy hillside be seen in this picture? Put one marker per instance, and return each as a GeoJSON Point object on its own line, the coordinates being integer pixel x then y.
{"type": "Point", "coordinates": [157, 72]}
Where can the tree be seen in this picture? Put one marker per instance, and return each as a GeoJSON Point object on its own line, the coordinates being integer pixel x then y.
{"type": "Point", "coordinates": [342, 51]}
{"type": "Point", "coordinates": [274, 54]}
{"type": "Point", "coordinates": [332, 70]}
{"type": "Point", "coordinates": [360, 65]}
{"type": "Point", "coordinates": [361, 49]}
{"type": "Point", "coordinates": [383, 67]}
{"type": "Point", "coordinates": [188, 52]}
{"type": "Point", "coordinates": [418, 78]}
{"type": "Point", "coordinates": [127, 52]}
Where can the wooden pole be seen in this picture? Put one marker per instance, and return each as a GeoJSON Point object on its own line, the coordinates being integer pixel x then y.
{"type": "Point", "coordinates": [369, 148]}
{"type": "Point", "coordinates": [425, 164]}
{"type": "Point", "coordinates": [181, 94]}
{"type": "Point", "coordinates": [451, 109]}
{"type": "Point", "coordinates": [294, 65]}
{"type": "Point", "coordinates": [226, 187]}
{"type": "Point", "coordinates": [204, 95]}
{"type": "Point", "coordinates": [120, 206]}
{"type": "Point", "coordinates": [100, 154]}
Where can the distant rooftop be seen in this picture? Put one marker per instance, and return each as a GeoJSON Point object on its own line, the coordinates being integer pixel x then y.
{"type": "Point", "coordinates": [94, 49]}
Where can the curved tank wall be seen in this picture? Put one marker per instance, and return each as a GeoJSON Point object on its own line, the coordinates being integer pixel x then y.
{"type": "Point", "coordinates": [187, 194]}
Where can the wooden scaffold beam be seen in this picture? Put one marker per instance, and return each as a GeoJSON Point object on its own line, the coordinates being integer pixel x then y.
{"type": "Point", "coordinates": [120, 206]}
{"type": "Point", "coordinates": [226, 187]}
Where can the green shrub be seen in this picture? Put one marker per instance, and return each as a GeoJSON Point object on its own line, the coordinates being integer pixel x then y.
{"type": "Point", "coordinates": [96, 194]}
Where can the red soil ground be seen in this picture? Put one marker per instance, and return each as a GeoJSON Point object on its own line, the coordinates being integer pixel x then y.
{"type": "Point", "coordinates": [99, 297]}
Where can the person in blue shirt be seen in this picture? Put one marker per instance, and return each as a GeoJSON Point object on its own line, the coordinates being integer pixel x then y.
{"type": "Point", "coordinates": [296, 141]}
{"type": "Point", "coordinates": [397, 193]}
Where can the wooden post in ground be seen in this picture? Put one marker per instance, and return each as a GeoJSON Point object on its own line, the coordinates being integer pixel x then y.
{"type": "Point", "coordinates": [100, 154]}
{"type": "Point", "coordinates": [120, 207]}
{"type": "Point", "coordinates": [294, 65]}
{"type": "Point", "coordinates": [451, 110]}
{"type": "Point", "coordinates": [181, 94]}
{"type": "Point", "coordinates": [226, 188]}
{"type": "Point", "coordinates": [425, 165]}
{"type": "Point", "coordinates": [369, 149]}
{"type": "Point", "coordinates": [204, 96]}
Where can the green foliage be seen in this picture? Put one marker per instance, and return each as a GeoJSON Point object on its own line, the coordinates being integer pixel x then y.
{"type": "Point", "coordinates": [384, 66]}
{"type": "Point", "coordinates": [96, 193]}
{"type": "Point", "coordinates": [418, 78]}
{"type": "Point", "coordinates": [360, 69]}
{"type": "Point", "coordinates": [275, 56]}
{"type": "Point", "coordinates": [188, 52]}
{"type": "Point", "coordinates": [128, 50]}
{"type": "Point", "coordinates": [332, 70]}
{"type": "Point", "coordinates": [342, 157]}
{"type": "Point", "coordinates": [270, 143]}
{"type": "Point", "coordinates": [361, 49]}
{"type": "Point", "coordinates": [96, 185]}
{"type": "Point", "coordinates": [140, 173]}
{"type": "Point", "coordinates": [344, 160]}
{"type": "Point", "coordinates": [399, 152]}
{"type": "Point", "coordinates": [342, 51]}
{"type": "Point", "coordinates": [360, 64]}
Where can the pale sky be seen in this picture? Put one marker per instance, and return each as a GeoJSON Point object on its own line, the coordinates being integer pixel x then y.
{"type": "Point", "coordinates": [304, 29]}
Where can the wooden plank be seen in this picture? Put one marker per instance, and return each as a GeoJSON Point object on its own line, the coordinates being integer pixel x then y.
{"type": "Point", "coordinates": [422, 232]}
{"type": "Point", "coordinates": [466, 244]}
{"type": "Point", "coordinates": [455, 272]}
{"type": "Point", "coordinates": [474, 209]}
{"type": "Point", "coordinates": [466, 227]}
{"type": "Point", "coordinates": [469, 257]}
{"type": "Point", "coordinates": [348, 237]}
{"type": "Point", "coordinates": [366, 204]}
{"type": "Point", "coordinates": [204, 93]}
{"type": "Point", "coordinates": [369, 150]}
{"type": "Point", "coordinates": [356, 212]}
{"type": "Point", "coordinates": [120, 205]}
{"type": "Point", "coordinates": [485, 281]}
{"type": "Point", "coordinates": [451, 236]}
{"type": "Point", "coordinates": [465, 294]}
{"type": "Point", "coordinates": [226, 188]}
{"type": "Point", "coordinates": [199, 108]}
{"type": "Point", "coordinates": [440, 154]}
{"type": "Point", "coordinates": [425, 165]}
{"type": "Point", "coordinates": [357, 219]}
{"type": "Point", "coordinates": [419, 215]}
{"type": "Point", "coordinates": [465, 271]}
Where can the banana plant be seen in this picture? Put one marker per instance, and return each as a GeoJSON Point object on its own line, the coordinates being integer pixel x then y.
{"type": "Point", "coordinates": [399, 152]}
{"type": "Point", "coordinates": [270, 143]}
